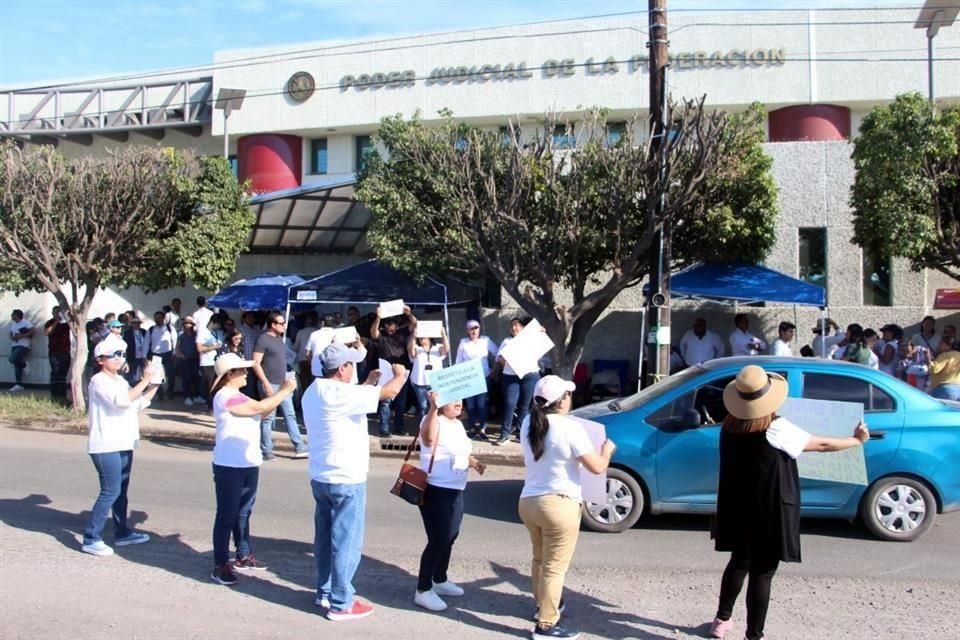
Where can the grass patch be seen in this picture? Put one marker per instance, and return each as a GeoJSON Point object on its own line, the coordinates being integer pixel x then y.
{"type": "Point", "coordinates": [31, 408]}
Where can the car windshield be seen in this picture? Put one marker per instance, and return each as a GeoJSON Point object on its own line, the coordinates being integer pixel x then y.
{"type": "Point", "coordinates": [646, 395]}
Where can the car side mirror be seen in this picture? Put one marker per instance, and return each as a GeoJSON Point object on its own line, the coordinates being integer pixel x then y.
{"type": "Point", "coordinates": [690, 419]}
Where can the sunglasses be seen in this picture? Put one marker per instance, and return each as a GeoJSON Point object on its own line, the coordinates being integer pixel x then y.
{"type": "Point", "coordinates": [115, 354]}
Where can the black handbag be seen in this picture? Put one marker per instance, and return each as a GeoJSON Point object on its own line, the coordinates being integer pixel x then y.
{"type": "Point", "coordinates": [411, 483]}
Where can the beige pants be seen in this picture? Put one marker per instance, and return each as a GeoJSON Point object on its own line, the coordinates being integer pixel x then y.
{"type": "Point", "coordinates": [554, 524]}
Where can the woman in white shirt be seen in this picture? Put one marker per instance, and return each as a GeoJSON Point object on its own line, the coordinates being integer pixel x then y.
{"type": "Point", "coordinates": [114, 432]}
{"type": "Point", "coordinates": [425, 356]}
{"type": "Point", "coordinates": [445, 451]}
{"type": "Point", "coordinates": [554, 447]}
{"type": "Point", "coordinates": [236, 462]}
{"type": "Point", "coordinates": [477, 347]}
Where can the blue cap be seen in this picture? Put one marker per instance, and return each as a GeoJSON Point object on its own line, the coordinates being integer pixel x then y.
{"type": "Point", "coordinates": [116, 323]}
{"type": "Point", "coordinates": [337, 354]}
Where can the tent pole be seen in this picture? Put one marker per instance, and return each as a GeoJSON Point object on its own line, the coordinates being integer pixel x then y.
{"type": "Point", "coordinates": [446, 323]}
{"type": "Point", "coordinates": [643, 347]}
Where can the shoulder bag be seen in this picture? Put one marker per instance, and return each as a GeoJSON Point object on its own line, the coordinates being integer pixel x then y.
{"type": "Point", "coordinates": [412, 481]}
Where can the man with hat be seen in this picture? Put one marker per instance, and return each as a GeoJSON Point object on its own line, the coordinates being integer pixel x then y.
{"type": "Point", "coordinates": [335, 412]}
{"type": "Point", "coordinates": [825, 342]}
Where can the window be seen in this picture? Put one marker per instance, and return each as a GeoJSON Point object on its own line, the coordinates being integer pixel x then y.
{"type": "Point", "coordinates": [234, 164]}
{"type": "Point", "coordinates": [318, 156]}
{"type": "Point", "coordinates": [813, 256]}
{"type": "Point", "coordinates": [876, 281]}
{"type": "Point", "coordinates": [703, 406]}
{"type": "Point", "coordinates": [563, 137]}
{"type": "Point", "coordinates": [822, 386]}
{"type": "Point", "coordinates": [615, 131]}
{"type": "Point", "coordinates": [364, 149]}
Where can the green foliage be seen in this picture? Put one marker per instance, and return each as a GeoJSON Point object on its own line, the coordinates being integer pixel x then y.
{"type": "Point", "coordinates": [906, 194]}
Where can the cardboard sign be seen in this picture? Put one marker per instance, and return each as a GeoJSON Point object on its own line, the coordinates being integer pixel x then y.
{"type": "Point", "coordinates": [391, 308]}
{"type": "Point", "coordinates": [833, 419]}
{"type": "Point", "coordinates": [460, 381]}
{"type": "Point", "coordinates": [429, 329]}
{"type": "Point", "coordinates": [524, 351]}
{"type": "Point", "coordinates": [593, 485]}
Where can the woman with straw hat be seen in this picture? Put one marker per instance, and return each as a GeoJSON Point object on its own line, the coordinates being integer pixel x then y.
{"type": "Point", "coordinates": [236, 462]}
{"type": "Point", "coordinates": [758, 497]}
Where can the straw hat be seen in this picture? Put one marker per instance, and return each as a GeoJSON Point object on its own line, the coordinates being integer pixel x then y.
{"type": "Point", "coordinates": [754, 393]}
{"type": "Point", "coordinates": [228, 362]}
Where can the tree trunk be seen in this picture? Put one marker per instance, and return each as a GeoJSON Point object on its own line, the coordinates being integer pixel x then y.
{"type": "Point", "coordinates": [78, 325]}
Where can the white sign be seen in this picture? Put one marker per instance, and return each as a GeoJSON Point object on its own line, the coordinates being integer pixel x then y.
{"type": "Point", "coordinates": [524, 351]}
{"type": "Point", "coordinates": [391, 308]}
{"type": "Point", "coordinates": [345, 335]}
{"type": "Point", "coordinates": [832, 419]}
{"type": "Point", "coordinates": [386, 372]}
{"type": "Point", "coordinates": [158, 376]}
{"type": "Point", "coordinates": [593, 485]}
{"type": "Point", "coordinates": [306, 295]}
{"type": "Point", "coordinates": [430, 329]}
{"type": "Point", "coordinates": [463, 380]}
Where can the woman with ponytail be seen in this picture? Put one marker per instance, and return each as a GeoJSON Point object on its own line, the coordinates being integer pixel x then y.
{"type": "Point", "coordinates": [554, 447]}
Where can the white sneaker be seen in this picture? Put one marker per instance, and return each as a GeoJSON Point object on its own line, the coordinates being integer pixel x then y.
{"type": "Point", "coordinates": [188, 402]}
{"type": "Point", "coordinates": [448, 588]}
{"type": "Point", "coordinates": [429, 601]}
{"type": "Point", "coordinates": [98, 548]}
{"type": "Point", "coordinates": [322, 602]}
{"type": "Point", "coordinates": [199, 400]}
{"type": "Point", "coordinates": [15, 388]}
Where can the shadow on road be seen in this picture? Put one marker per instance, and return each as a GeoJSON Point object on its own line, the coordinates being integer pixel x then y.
{"type": "Point", "coordinates": [493, 500]}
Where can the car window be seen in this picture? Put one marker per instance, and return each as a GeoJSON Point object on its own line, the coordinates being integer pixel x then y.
{"type": "Point", "coordinates": [703, 406]}
{"type": "Point", "coordinates": [824, 386]}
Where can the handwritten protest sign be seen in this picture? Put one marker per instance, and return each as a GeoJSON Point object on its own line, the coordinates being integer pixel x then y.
{"type": "Point", "coordinates": [391, 308]}
{"type": "Point", "coordinates": [457, 382]}
{"type": "Point", "coordinates": [345, 335]}
{"type": "Point", "coordinates": [833, 419]}
{"type": "Point", "coordinates": [524, 351]}
{"type": "Point", "coordinates": [593, 485]}
{"type": "Point", "coordinates": [430, 329]}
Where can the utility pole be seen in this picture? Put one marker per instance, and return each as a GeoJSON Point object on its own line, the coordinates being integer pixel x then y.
{"type": "Point", "coordinates": [658, 302]}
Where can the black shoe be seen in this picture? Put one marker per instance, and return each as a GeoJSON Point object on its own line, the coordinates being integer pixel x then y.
{"type": "Point", "coordinates": [386, 435]}
{"type": "Point", "coordinates": [556, 631]}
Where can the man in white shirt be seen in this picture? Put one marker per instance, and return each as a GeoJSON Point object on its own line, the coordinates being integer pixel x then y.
{"type": "Point", "coordinates": [21, 331]}
{"type": "Point", "coordinates": [824, 344]}
{"type": "Point", "coordinates": [203, 314]}
{"type": "Point", "coordinates": [699, 345]}
{"type": "Point", "coordinates": [742, 342]}
{"type": "Point", "coordinates": [787, 331]}
{"type": "Point", "coordinates": [335, 413]}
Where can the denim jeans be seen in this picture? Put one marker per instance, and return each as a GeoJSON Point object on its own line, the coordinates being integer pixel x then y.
{"type": "Point", "coordinates": [135, 372]}
{"type": "Point", "coordinates": [476, 412]}
{"type": "Point", "coordinates": [423, 403]}
{"type": "Point", "coordinates": [289, 419]}
{"type": "Point", "coordinates": [517, 396]}
{"type": "Point", "coordinates": [59, 371]}
{"type": "Point", "coordinates": [190, 373]}
{"type": "Point", "coordinates": [946, 392]}
{"type": "Point", "coordinates": [236, 489]}
{"type": "Point", "coordinates": [398, 405]}
{"type": "Point", "coordinates": [114, 470]}
{"type": "Point", "coordinates": [338, 539]}
{"type": "Point", "coordinates": [442, 514]}
{"type": "Point", "coordinates": [18, 358]}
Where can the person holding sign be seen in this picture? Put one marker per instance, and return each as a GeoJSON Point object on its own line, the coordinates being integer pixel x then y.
{"type": "Point", "coordinates": [758, 496]}
{"type": "Point", "coordinates": [390, 344]}
{"type": "Point", "coordinates": [477, 347]}
{"type": "Point", "coordinates": [554, 447]}
{"type": "Point", "coordinates": [517, 388]}
{"type": "Point", "coordinates": [442, 508]}
{"type": "Point", "coordinates": [426, 356]}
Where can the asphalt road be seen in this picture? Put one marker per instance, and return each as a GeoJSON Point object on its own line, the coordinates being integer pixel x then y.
{"type": "Point", "coordinates": [657, 581]}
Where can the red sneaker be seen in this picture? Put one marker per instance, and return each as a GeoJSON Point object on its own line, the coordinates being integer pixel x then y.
{"type": "Point", "coordinates": [357, 611]}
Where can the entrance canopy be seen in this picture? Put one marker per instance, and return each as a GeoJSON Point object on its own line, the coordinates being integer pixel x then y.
{"type": "Point", "coordinates": [372, 282]}
{"type": "Point", "coordinates": [266, 291]}
{"type": "Point", "coordinates": [744, 284]}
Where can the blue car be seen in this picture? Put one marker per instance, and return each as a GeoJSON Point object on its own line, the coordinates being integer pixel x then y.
{"type": "Point", "coordinates": [667, 437]}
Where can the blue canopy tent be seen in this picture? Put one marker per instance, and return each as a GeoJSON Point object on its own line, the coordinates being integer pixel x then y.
{"type": "Point", "coordinates": [266, 291]}
{"type": "Point", "coordinates": [744, 284]}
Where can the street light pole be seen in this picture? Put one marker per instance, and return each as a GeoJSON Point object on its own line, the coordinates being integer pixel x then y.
{"type": "Point", "coordinates": [228, 101]}
{"type": "Point", "coordinates": [935, 14]}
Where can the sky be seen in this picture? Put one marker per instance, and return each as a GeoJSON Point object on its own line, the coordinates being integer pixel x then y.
{"type": "Point", "coordinates": [49, 40]}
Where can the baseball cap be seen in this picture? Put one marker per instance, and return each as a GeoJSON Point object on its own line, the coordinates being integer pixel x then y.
{"type": "Point", "coordinates": [337, 354]}
{"type": "Point", "coordinates": [116, 323]}
{"type": "Point", "coordinates": [472, 323]}
{"type": "Point", "coordinates": [551, 388]}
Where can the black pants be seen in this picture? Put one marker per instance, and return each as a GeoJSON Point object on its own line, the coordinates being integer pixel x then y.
{"type": "Point", "coordinates": [442, 513]}
{"type": "Point", "coordinates": [59, 371]}
{"type": "Point", "coordinates": [761, 570]}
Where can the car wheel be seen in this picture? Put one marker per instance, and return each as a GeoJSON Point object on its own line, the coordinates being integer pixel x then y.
{"type": "Point", "coordinates": [624, 505]}
{"type": "Point", "coordinates": [898, 508]}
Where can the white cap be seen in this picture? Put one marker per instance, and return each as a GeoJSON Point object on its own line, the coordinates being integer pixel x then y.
{"type": "Point", "coordinates": [551, 388]}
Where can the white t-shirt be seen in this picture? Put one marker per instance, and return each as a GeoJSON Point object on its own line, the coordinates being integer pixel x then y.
{"type": "Point", "coordinates": [418, 374]}
{"type": "Point", "coordinates": [316, 343]}
{"type": "Point", "coordinates": [741, 343]}
{"type": "Point", "coordinates": [889, 367]}
{"type": "Point", "coordinates": [787, 437]}
{"type": "Point", "coordinates": [238, 438]}
{"type": "Point", "coordinates": [482, 348]}
{"type": "Point", "coordinates": [206, 338]}
{"type": "Point", "coordinates": [336, 417]}
{"type": "Point", "coordinates": [202, 317]}
{"type": "Point", "coordinates": [696, 350]}
{"type": "Point", "coordinates": [558, 469]}
{"type": "Point", "coordinates": [162, 339]}
{"type": "Point", "coordinates": [452, 462]}
{"type": "Point", "coordinates": [112, 419]}
{"type": "Point", "coordinates": [780, 348]}
{"type": "Point", "coordinates": [17, 339]}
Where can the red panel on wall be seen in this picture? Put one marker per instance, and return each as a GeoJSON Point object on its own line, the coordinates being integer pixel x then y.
{"type": "Point", "coordinates": [810, 122]}
{"type": "Point", "coordinates": [270, 161]}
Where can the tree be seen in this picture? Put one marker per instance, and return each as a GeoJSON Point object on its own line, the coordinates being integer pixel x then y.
{"type": "Point", "coordinates": [906, 194]}
{"type": "Point", "coordinates": [565, 231]}
{"type": "Point", "coordinates": [145, 217]}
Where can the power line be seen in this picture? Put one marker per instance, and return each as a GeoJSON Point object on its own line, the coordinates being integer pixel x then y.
{"type": "Point", "coordinates": [373, 88]}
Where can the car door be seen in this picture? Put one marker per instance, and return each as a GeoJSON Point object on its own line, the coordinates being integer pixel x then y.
{"type": "Point", "coordinates": [688, 436]}
{"type": "Point", "coordinates": [884, 418]}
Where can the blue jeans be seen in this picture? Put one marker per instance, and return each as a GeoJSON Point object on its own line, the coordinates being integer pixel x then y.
{"type": "Point", "coordinates": [398, 405]}
{"type": "Point", "coordinates": [114, 470]}
{"type": "Point", "coordinates": [289, 419]}
{"type": "Point", "coordinates": [476, 412]}
{"type": "Point", "coordinates": [18, 358]}
{"type": "Point", "coordinates": [338, 539]}
{"type": "Point", "coordinates": [946, 392]}
{"type": "Point", "coordinates": [135, 372]}
{"type": "Point", "coordinates": [236, 489]}
{"type": "Point", "coordinates": [423, 403]}
{"type": "Point", "coordinates": [517, 396]}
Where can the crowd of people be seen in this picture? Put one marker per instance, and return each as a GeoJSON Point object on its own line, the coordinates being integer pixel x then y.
{"type": "Point", "coordinates": [928, 360]}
